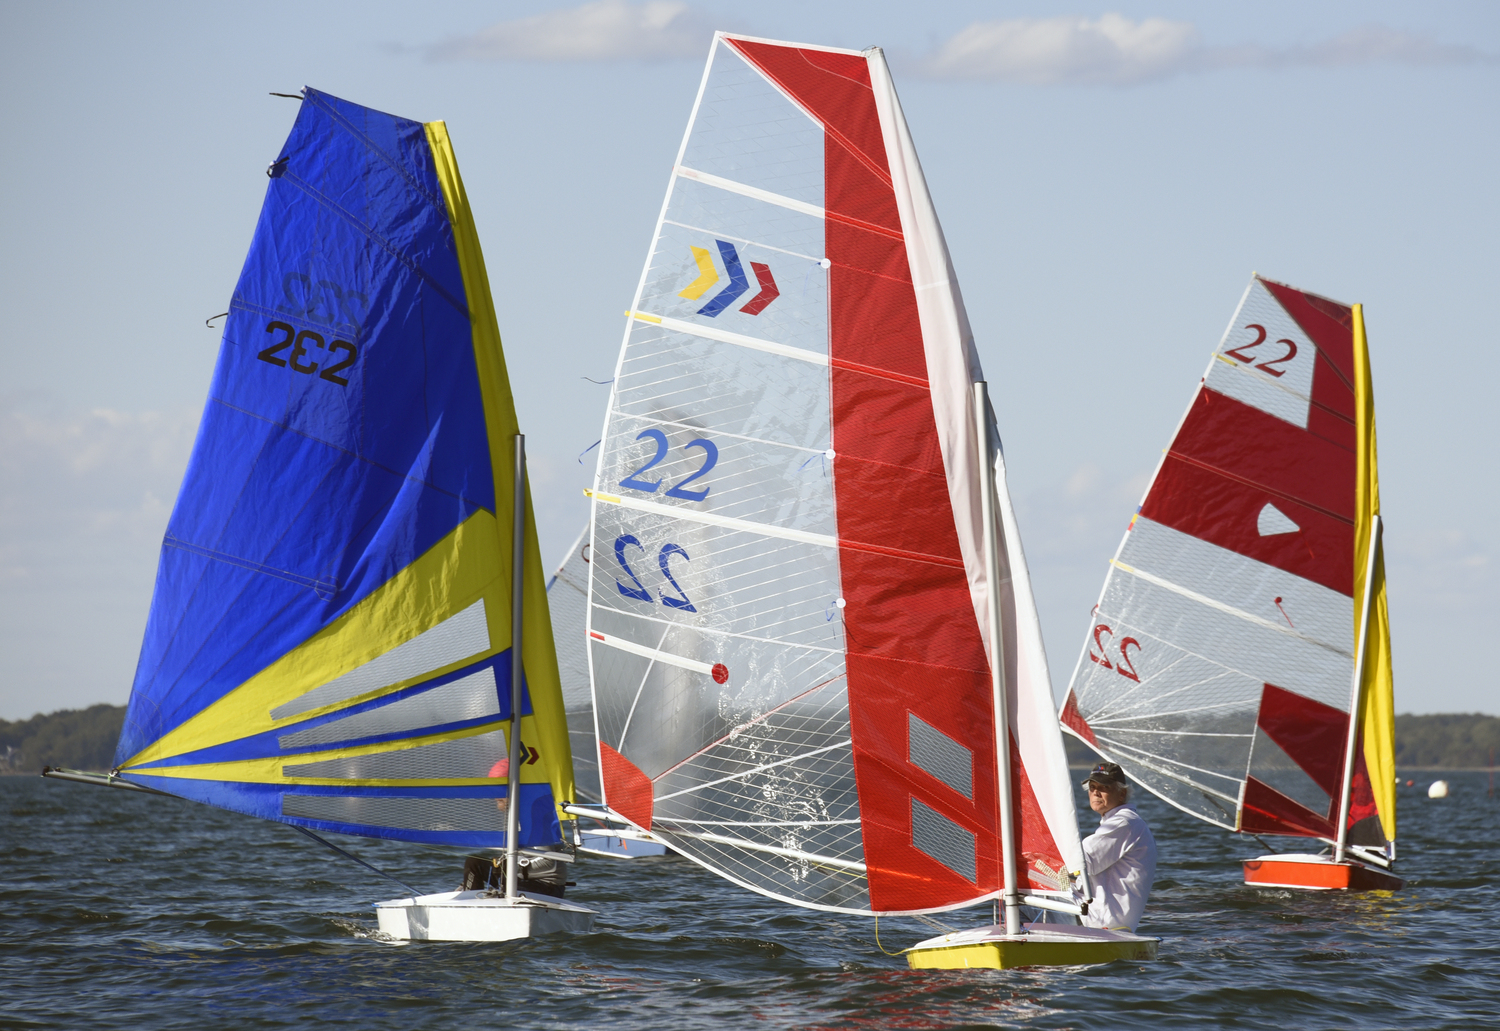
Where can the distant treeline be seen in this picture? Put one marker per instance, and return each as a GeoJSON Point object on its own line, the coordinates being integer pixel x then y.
{"type": "Point", "coordinates": [83, 739]}
{"type": "Point", "coordinates": [1448, 740]}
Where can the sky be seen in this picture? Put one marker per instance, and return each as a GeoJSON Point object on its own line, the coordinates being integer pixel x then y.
{"type": "Point", "coordinates": [1108, 179]}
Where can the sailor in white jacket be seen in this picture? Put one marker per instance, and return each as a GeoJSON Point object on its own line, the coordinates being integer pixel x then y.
{"type": "Point", "coordinates": [1120, 856]}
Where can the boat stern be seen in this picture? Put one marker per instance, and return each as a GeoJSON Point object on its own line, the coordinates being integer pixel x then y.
{"type": "Point", "coordinates": [1039, 945]}
{"type": "Point", "coordinates": [1317, 873]}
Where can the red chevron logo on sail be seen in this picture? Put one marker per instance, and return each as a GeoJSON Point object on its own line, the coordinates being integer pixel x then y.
{"type": "Point", "coordinates": [738, 285]}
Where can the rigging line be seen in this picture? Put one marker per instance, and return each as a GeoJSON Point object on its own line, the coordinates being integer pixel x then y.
{"type": "Point", "coordinates": [599, 382]}
{"type": "Point", "coordinates": [1177, 733]}
{"type": "Point", "coordinates": [349, 855]}
{"type": "Point", "coordinates": [754, 770]}
{"type": "Point", "coordinates": [1183, 655]}
{"type": "Point", "coordinates": [210, 320]}
{"type": "Point", "coordinates": [1117, 722]}
{"type": "Point", "coordinates": [775, 850]}
{"type": "Point", "coordinates": [590, 447]}
{"type": "Point", "coordinates": [289, 96]}
{"type": "Point", "coordinates": [675, 821]}
{"type": "Point", "coordinates": [879, 946]}
{"type": "Point", "coordinates": [1213, 603]}
{"type": "Point", "coordinates": [843, 721]}
{"type": "Point", "coordinates": [636, 701]}
{"type": "Point", "coordinates": [1144, 759]}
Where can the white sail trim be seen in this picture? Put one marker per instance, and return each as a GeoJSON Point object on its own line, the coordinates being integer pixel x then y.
{"type": "Point", "coordinates": [753, 192]}
{"type": "Point", "coordinates": [709, 519]}
{"type": "Point", "coordinates": [655, 654]}
{"type": "Point", "coordinates": [952, 369]}
{"type": "Point", "coordinates": [726, 337]}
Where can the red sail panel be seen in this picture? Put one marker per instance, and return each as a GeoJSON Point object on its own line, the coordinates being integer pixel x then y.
{"type": "Point", "coordinates": [1311, 733]}
{"type": "Point", "coordinates": [914, 647]}
{"type": "Point", "coordinates": [1238, 579]}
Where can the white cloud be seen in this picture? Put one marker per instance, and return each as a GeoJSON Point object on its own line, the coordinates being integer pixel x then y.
{"type": "Point", "coordinates": [602, 30]}
{"type": "Point", "coordinates": [1110, 49]}
{"type": "Point", "coordinates": [1115, 50]}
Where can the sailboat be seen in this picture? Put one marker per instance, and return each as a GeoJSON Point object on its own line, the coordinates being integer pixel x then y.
{"type": "Point", "coordinates": [349, 630]}
{"type": "Point", "coordinates": [567, 598]}
{"type": "Point", "coordinates": [816, 661]}
{"type": "Point", "coordinates": [1239, 660]}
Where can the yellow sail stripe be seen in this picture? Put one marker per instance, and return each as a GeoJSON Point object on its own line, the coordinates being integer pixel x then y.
{"type": "Point", "coordinates": [271, 770]}
{"type": "Point", "coordinates": [707, 275]}
{"type": "Point", "coordinates": [537, 650]}
{"type": "Point", "coordinates": [1377, 708]}
{"type": "Point", "coordinates": [450, 576]}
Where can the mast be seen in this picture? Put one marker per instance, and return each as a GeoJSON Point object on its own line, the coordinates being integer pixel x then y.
{"type": "Point", "coordinates": [517, 586]}
{"type": "Point", "coordinates": [1354, 693]}
{"type": "Point", "coordinates": [1009, 894]}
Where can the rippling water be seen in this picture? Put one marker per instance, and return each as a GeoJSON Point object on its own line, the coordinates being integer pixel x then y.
{"type": "Point", "coordinates": [126, 910]}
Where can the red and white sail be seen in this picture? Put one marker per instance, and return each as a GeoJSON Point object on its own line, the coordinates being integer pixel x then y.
{"type": "Point", "coordinates": [789, 592]}
{"type": "Point", "coordinates": [1219, 667]}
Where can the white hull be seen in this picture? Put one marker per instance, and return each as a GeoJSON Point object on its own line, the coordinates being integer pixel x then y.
{"type": "Point", "coordinates": [480, 916]}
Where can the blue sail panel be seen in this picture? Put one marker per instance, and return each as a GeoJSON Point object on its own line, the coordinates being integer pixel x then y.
{"type": "Point", "coordinates": [331, 616]}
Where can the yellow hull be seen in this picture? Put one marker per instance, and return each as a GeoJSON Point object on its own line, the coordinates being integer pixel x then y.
{"type": "Point", "coordinates": [991, 949]}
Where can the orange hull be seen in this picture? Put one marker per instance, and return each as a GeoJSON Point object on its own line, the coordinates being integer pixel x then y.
{"type": "Point", "coordinates": [1318, 873]}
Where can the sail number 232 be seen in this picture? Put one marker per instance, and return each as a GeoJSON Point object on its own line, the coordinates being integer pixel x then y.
{"type": "Point", "coordinates": [1123, 666]}
{"type": "Point", "coordinates": [299, 343]}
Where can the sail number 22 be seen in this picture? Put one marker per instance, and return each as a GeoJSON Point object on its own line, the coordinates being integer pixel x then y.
{"type": "Point", "coordinates": [710, 458]}
{"type": "Point", "coordinates": [663, 559]}
{"type": "Point", "coordinates": [1125, 668]}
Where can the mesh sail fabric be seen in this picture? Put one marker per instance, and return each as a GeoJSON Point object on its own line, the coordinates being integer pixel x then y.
{"type": "Point", "coordinates": [567, 598]}
{"type": "Point", "coordinates": [782, 588]}
{"type": "Point", "coordinates": [1218, 668]}
{"type": "Point", "coordinates": [329, 637]}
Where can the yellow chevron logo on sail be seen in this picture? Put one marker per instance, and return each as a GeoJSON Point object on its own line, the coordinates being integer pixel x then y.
{"type": "Point", "coordinates": [707, 275]}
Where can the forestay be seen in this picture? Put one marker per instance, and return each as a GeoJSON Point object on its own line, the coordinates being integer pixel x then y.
{"type": "Point", "coordinates": [1219, 669]}
{"type": "Point", "coordinates": [329, 639]}
{"type": "Point", "coordinates": [788, 592]}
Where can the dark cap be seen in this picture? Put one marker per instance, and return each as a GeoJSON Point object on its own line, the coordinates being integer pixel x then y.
{"type": "Point", "coordinates": [1107, 773]}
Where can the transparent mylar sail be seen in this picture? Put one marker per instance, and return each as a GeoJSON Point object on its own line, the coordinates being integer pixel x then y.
{"type": "Point", "coordinates": [1219, 666]}
{"type": "Point", "coordinates": [787, 592]}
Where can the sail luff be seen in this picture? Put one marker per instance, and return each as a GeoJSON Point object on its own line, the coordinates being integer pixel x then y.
{"type": "Point", "coordinates": [548, 726]}
{"type": "Point", "coordinates": [1377, 713]}
{"type": "Point", "coordinates": [1356, 692]}
{"type": "Point", "coordinates": [1000, 690]}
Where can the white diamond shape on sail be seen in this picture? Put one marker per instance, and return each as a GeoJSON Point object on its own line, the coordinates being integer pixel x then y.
{"type": "Point", "coordinates": [1273, 521]}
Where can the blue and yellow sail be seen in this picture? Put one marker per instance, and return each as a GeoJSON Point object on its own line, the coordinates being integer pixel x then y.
{"type": "Point", "coordinates": [330, 633]}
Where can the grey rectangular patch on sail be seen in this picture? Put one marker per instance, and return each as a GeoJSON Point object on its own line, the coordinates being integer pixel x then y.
{"type": "Point", "coordinates": [932, 751]}
{"type": "Point", "coordinates": [944, 840]}
{"type": "Point", "coordinates": [427, 814]}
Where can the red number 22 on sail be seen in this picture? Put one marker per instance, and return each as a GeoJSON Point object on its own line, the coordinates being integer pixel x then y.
{"type": "Point", "coordinates": [1126, 668]}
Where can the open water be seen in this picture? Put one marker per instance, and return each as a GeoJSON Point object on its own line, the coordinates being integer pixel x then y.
{"type": "Point", "coordinates": [120, 910]}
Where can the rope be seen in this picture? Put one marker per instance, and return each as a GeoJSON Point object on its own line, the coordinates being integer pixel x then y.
{"type": "Point", "coordinates": [361, 862]}
{"type": "Point", "coordinates": [879, 946]}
